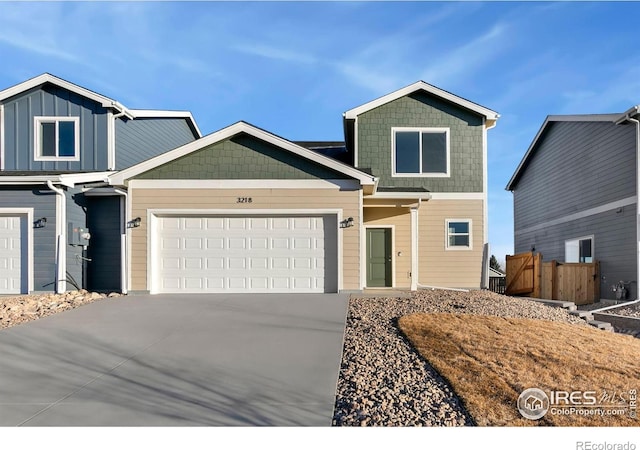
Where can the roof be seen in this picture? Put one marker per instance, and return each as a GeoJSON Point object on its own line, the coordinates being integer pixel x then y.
{"type": "Point", "coordinates": [230, 131]}
{"type": "Point", "coordinates": [99, 98]}
{"type": "Point", "coordinates": [495, 273]}
{"type": "Point", "coordinates": [401, 189]}
{"type": "Point", "coordinates": [614, 118]}
{"type": "Point", "coordinates": [422, 86]}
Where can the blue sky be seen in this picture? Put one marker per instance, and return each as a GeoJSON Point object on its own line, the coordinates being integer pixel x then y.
{"type": "Point", "coordinates": [294, 68]}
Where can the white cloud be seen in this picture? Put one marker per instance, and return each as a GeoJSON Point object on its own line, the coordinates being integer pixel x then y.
{"type": "Point", "coordinates": [281, 54]}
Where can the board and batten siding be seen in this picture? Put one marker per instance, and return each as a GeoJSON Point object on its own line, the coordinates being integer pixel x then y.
{"type": "Point", "coordinates": [449, 268]}
{"type": "Point", "coordinates": [48, 100]}
{"type": "Point", "coordinates": [577, 166]}
{"type": "Point", "coordinates": [400, 218]}
{"type": "Point", "coordinates": [226, 199]}
{"type": "Point", "coordinates": [43, 202]}
{"type": "Point", "coordinates": [423, 110]}
{"type": "Point", "coordinates": [140, 139]}
{"type": "Point", "coordinates": [76, 216]}
{"type": "Point", "coordinates": [613, 233]}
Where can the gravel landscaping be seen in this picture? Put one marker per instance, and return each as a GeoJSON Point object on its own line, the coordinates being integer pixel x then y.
{"type": "Point", "coordinates": [629, 311]}
{"type": "Point", "coordinates": [24, 308]}
{"type": "Point", "coordinates": [408, 392]}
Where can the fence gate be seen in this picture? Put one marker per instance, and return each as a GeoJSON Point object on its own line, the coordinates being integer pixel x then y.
{"type": "Point", "coordinates": [521, 274]}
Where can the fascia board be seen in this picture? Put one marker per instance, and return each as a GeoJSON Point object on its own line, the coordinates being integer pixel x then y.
{"type": "Point", "coordinates": [48, 78]}
{"type": "Point", "coordinates": [160, 113]}
{"type": "Point", "coordinates": [421, 85]}
{"type": "Point", "coordinates": [239, 127]}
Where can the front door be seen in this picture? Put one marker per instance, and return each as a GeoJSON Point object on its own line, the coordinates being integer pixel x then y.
{"type": "Point", "coordinates": [378, 257]}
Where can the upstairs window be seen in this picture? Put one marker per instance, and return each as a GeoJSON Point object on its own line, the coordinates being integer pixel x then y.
{"type": "Point", "coordinates": [458, 234]}
{"type": "Point", "coordinates": [579, 250]}
{"type": "Point", "coordinates": [420, 152]}
{"type": "Point", "coordinates": [57, 138]}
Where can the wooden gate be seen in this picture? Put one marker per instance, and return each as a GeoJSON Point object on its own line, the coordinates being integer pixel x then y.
{"type": "Point", "coordinates": [528, 276]}
{"type": "Point", "coordinates": [523, 272]}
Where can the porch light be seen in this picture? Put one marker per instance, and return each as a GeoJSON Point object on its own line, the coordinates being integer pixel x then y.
{"type": "Point", "coordinates": [135, 223]}
{"type": "Point", "coordinates": [40, 223]}
{"type": "Point", "coordinates": [346, 223]}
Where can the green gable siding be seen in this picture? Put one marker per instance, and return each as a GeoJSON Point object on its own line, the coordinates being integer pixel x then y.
{"type": "Point", "coordinates": [422, 110]}
{"type": "Point", "coordinates": [241, 157]}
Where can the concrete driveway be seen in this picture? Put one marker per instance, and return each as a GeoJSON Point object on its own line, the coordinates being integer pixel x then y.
{"type": "Point", "coordinates": [176, 360]}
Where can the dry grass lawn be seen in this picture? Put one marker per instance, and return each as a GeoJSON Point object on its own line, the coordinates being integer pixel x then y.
{"type": "Point", "coordinates": [490, 360]}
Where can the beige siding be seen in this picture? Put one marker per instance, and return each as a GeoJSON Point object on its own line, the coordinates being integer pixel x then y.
{"type": "Point", "coordinates": [212, 199]}
{"type": "Point", "coordinates": [449, 268]}
{"type": "Point", "coordinates": [400, 218]}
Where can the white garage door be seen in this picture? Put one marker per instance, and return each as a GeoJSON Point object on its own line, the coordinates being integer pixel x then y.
{"type": "Point", "coordinates": [10, 254]}
{"type": "Point", "coordinates": [246, 254]}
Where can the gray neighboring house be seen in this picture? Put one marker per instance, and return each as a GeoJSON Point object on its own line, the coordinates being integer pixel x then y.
{"type": "Point", "coordinates": [61, 224]}
{"type": "Point", "coordinates": [575, 195]}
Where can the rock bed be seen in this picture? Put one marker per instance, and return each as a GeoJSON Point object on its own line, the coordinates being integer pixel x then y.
{"type": "Point", "coordinates": [629, 311]}
{"type": "Point", "coordinates": [409, 392]}
{"type": "Point", "coordinates": [24, 308]}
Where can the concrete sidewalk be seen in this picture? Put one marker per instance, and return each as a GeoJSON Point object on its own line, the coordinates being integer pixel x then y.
{"type": "Point", "coordinates": [177, 360]}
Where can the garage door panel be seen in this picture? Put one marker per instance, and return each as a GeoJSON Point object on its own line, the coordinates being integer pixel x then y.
{"type": "Point", "coordinates": [245, 254]}
{"type": "Point", "coordinates": [12, 250]}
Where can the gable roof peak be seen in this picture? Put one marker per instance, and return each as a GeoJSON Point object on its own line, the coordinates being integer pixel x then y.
{"type": "Point", "coordinates": [429, 88]}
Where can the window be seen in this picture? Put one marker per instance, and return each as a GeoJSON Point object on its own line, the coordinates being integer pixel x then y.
{"type": "Point", "coordinates": [579, 250]}
{"type": "Point", "coordinates": [56, 138]}
{"type": "Point", "coordinates": [420, 152]}
{"type": "Point", "coordinates": [458, 234]}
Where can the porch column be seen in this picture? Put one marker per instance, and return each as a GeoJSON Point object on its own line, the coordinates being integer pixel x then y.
{"type": "Point", "coordinates": [414, 247]}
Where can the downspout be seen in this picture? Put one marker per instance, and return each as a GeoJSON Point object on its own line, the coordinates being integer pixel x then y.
{"type": "Point", "coordinates": [630, 119]}
{"type": "Point", "coordinates": [61, 245]}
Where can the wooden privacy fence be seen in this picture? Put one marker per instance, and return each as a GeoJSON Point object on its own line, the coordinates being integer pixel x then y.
{"type": "Point", "coordinates": [529, 276]}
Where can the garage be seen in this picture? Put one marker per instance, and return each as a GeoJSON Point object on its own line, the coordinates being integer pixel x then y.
{"type": "Point", "coordinates": [13, 258]}
{"type": "Point", "coordinates": [245, 253]}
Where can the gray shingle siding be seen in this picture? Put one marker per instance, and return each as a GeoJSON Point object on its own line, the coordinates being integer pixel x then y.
{"type": "Point", "coordinates": [140, 139]}
{"type": "Point", "coordinates": [614, 235]}
{"type": "Point", "coordinates": [48, 100]}
{"type": "Point", "coordinates": [422, 110]}
{"type": "Point", "coordinates": [577, 166]}
{"type": "Point", "coordinates": [43, 201]}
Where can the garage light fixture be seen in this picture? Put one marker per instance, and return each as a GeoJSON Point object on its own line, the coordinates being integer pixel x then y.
{"type": "Point", "coordinates": [135, 223]}
{"type": "Point", "coordinates": [346, 223]}
{"type": "Point", "coordinates": [40, 223]}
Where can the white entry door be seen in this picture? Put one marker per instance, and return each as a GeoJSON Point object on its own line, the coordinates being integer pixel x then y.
{"type": "Point", "coordinates": [11, 252]}
{"type": "Point", "coordinates": [246, 254]}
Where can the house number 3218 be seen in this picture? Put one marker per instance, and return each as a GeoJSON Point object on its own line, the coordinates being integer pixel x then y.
{"type": "Point", "coordinates": [244, 200]}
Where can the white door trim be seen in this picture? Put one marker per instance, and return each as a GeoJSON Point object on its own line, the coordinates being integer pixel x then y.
{"type": "Point", "coordinates": [154, 214]}
{"type": "Point", "coordinates": [27, 252]}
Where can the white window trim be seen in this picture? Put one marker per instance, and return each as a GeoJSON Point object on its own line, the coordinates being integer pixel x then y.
{"type": "Point", "coordinates": [445, 130]}
{"type": "Point", "coordinates": [37, 120]}
{"type": "Point", "coordinates": [581, 238]}
{"type": "Point", "coordinates": [457, 248]}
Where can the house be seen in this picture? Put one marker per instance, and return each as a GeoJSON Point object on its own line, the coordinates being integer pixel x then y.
{"type": "Point", "coordinates": [400, 204]}
{"type": "Point", "coordinates": [60, 221]}
{"type": "Point", "coordinates": [575, 195]}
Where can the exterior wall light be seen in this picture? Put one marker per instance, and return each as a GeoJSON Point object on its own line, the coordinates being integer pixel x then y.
{"type": "Point", "coordinates": [135, 223]}
{"type": "Point", "coordinates": [40, 223]}
{"type": "Point", "coordinates": [346, 223]}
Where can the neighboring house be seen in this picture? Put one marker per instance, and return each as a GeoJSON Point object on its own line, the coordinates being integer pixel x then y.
{"type": "Point", "coordinates": [402, 203]}
{"type": "Point", "coordinates": [575, 195]}
{"type": "Point", "coordinates": [60, 222]}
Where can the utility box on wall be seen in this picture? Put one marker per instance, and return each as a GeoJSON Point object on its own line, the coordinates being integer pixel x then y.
{"type": "Point", "coordinates": [78, 235]}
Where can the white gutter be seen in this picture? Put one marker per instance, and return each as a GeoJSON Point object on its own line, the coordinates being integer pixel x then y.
{"type": "Point", "coordinates": [61, 245]}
